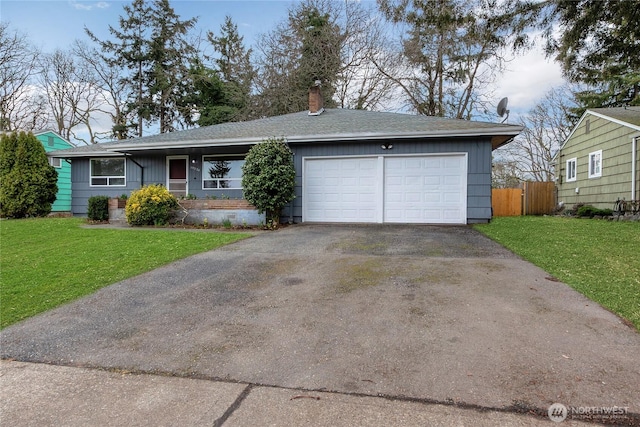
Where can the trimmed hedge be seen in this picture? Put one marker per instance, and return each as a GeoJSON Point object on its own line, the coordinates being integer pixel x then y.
{"type": "Point", "coordinates": [98, 208]}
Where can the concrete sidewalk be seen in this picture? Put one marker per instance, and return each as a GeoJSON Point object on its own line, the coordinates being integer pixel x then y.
{"type": "Point", "coordinates": [48, 395]}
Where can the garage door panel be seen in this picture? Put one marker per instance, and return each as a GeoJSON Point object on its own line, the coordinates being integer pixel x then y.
{"type": "Point", "coordinates": [454, 180]}
{"type": "Point", "coordinates": [432, 197]}
{"type": "Point", "coordinates": [412, 180]}
{"type": "Point", "coordinates": [432, 162]}
{"type": "Point", "coordinates": [453, 197]}
{"type": "Point", "coordinates": [349, 182]}
{"type": "Point", "coordinates": [433, 215]}
{"type": "Point", "coordinates": [453, 162]}
{"type": "Point", "coordinates": [413, 197]}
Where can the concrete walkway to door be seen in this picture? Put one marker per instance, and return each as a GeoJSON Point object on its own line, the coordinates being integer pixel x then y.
{"type": "Point", "coordinates": [413, 314]}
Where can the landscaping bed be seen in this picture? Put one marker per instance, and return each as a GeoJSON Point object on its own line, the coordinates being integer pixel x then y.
{"type": "Point", "coordinates": [230, 213]}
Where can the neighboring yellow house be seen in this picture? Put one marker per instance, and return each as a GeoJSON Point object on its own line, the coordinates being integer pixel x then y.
{"type": "Point", "coordinates": [599, 162]}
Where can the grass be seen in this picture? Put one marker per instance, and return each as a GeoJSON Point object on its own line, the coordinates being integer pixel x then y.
{"type": "Point", "coordinates": [600, 259]}
{"type": "Point", "coordinates": [50, 261]}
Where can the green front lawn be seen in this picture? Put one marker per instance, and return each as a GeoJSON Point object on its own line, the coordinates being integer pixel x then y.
{"type": "Point", "coordinates": [47, 262]}
{"type": "Point", "coordinates": [600, 259]}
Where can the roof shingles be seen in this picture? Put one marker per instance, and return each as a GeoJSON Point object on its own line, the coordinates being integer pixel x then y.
{"type": "Point", "coordinates": [332, 125]}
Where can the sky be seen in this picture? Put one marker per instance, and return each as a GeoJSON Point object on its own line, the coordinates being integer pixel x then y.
{"type": "Point", "coordinates": [52, 24]}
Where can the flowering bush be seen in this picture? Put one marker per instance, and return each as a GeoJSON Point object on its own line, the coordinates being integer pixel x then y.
{"type": "Point", "coordinates": [150, 205]}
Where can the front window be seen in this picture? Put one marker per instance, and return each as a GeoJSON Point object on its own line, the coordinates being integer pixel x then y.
{"type": "Point", "coordinates": [108, 172]}
{"type": "Point", "coordinates": [595, 164]}
{"type": "Point", "coordinates": [222, 172]}
{"type": "Point", "coordinates": [571, 169]}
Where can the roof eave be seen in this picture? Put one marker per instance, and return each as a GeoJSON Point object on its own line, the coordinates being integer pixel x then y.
{"type": "Point", "coordinates": [499, 136]}
{"type": "Point", "coordinates": [185, 144]}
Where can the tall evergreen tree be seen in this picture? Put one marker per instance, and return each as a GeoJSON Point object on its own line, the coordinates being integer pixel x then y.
{"type": "Point", "coordinates": [169, 54]}
{"type": "Point", "coordinates": [205, 101]}
{"type": "Point", "coordinates": [321, 43]}
{"type": "Point", "coordinates": [28, 184]}
{"type": "Point", "coordinates": [305, 48]}
{"type": "Point", "coordinates": [151, 45]}
{"type": "Point", "coordinates": [130, 52]}
{"type": "Point", "coordinates": [598, 45]}
{"type": "Point", "coordinates": [234, 65]}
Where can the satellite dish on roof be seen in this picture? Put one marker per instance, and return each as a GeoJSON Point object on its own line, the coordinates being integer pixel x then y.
{"type": "Point", "coordinates": [502, 108]}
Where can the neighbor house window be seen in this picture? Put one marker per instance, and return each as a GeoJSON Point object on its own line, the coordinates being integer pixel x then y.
{"type": "Point", "coordinates": [571, 169]}
{"type": "Point", "coordinates": [110, 172]}
{"type": "Point", "coordinates": [222, 172]}
{"type": "Point", "coordinates": [56, 162]}
{"type": "Point", "coordinates": [595, 164]}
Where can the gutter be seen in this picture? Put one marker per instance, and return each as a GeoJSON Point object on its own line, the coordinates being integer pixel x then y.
{"type": "Point", "coordinates": [63, 155]}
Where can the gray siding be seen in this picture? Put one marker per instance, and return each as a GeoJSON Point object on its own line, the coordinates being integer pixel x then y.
{"type": "Point", "coordinates": [153, 171]}
{"type": "Point", "coordinates": [154, 165]}
{"type": "Point", "coordinates": [478, 174]}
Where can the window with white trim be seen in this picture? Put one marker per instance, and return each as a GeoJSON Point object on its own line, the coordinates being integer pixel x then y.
{"type": "Point", "coordinates": [595, 164]}
{"type": "Point", "coordinates": [56, 162]}
{"type": "Point", "coordinates": [108, 172]}
{"type": "Point", "coordinates": [571, 169]}
{"type": "Point", "coordinates": [222, 172]}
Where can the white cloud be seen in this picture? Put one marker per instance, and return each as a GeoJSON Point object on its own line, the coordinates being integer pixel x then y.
{"type": "Point", "coordinates": [527, 79]}
{"type": "Point", "coordinates": [84, 6]}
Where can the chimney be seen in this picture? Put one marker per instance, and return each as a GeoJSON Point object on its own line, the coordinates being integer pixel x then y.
{"type": "Point", "coordinates": [316, 104]}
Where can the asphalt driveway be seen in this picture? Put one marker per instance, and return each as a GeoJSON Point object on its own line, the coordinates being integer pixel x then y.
{"type": "Point", "coordinates": [440, 314]}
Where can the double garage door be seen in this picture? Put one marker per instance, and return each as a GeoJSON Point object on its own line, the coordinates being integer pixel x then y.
{"type": "Point", "coordinates": [394, 189]}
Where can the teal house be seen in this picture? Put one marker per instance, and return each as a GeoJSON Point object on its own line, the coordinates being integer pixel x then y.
{"type": "Point", "coordinates": [52, 141]}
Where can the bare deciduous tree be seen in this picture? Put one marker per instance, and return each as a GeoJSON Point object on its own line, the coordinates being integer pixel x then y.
{"type": "Point", "coordinates": [453, 50]}
{"type": "Point", "coordinates": [547, 125]}
{"type": "Point", "coordinates": [21, 106]}
{"type": "Point", "coordinates": [504, 174]}
{"type": "Point", "coordinates": [112, 88]}
{"type": "Point", "coordinates": [365, 52]}
{"type": "Point", "coordinates": [72, 93]}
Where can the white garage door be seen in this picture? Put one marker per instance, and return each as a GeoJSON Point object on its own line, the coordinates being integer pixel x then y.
{"type": "Point", "coordinates": [341, 190]}
{"type": "Point", "coordinates": [427, 190]}
{"type": "Point", "coordinates": [402, 189]}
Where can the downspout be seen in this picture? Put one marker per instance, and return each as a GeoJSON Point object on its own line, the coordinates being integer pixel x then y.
{"type": "Point", "coordinates": [634, 143]}
{"type": "Point", "coordinates": [141, 170]}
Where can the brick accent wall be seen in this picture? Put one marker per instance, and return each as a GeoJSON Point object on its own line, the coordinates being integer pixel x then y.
{"type": "Point", "coordinates": [216, 204]}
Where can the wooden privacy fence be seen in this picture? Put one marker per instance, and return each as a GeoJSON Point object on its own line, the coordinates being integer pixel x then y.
{"type": "Point", "coordinates": [539, 198]}
{"type": "Point", "coordinates": [534, 198]}
{"type": "Point", "coordinates": [506, 201]}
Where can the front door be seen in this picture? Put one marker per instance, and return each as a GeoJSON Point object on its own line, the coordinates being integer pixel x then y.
{"type": "Point", "coordinates": [178, 177]}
